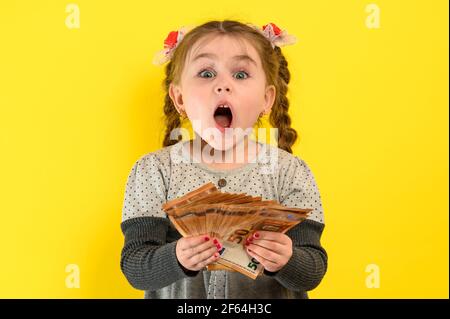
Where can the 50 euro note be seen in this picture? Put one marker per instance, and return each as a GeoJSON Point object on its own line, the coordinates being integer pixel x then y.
{"type": "Point", "coordinates": [233, 254]}
{"type": "Point", "coordinates": [231, 218]}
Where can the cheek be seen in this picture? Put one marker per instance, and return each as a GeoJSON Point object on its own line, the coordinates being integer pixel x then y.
{"type": "Point", "coordinates": [252, 104]}
{"type": "Point", "coordinates": [195, 102]}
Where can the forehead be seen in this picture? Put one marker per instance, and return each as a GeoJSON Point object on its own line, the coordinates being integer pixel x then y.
{"type": "Point", "coordinates": [224, 47]}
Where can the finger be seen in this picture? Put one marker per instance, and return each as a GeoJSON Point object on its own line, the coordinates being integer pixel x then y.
{"type": "Point", "coordinates": [194, 251]}
{"type": "Point", "coordinates": [194, 241]}
{"type": "Point", "coordinates": [270, 235]}
{"type": "Point", "coordinates": [267, 264]}
{"type": "Point", "coordinates": [207, 261]}
{"type": "Point", "coordinates": [252, 239]}
{"type": "Point", "coordinates": [203, 255]}
{"type": "Point", "coordinates": [265, 253]}
{"type": "Point", "coordinates": [273, 246]}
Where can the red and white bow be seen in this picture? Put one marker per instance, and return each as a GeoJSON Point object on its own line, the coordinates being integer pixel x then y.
{"type": "Point", "coordinates": [170, 44]}
{"type": "Point", "coordinates": [271, 31]}
{"type": "Point", "coordinates": [276, 36]}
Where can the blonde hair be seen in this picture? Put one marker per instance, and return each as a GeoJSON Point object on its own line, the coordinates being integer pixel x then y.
{"type": "Point", "coordinates": [274, 65]}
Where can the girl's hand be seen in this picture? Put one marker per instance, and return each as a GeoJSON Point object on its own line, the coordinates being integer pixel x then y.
{"type": "Point", "coordinates": [273, 250]}
{"type": "Point", "coordinates": [195, 252]}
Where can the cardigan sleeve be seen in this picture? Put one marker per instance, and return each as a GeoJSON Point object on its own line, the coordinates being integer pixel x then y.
{"type": "Point", "coordinates": [148, 260]}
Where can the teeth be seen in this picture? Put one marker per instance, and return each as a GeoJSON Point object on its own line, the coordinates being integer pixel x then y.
{"type": "Point", "coordinates": [224, 105]}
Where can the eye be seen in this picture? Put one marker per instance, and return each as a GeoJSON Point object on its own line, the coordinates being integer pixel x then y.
{"type": "Point", "coordinates": [206, 72]}
{"type": "Point", "coordinates": [241, 75]}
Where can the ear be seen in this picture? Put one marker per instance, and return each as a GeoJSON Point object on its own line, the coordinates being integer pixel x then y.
{"type": "Point", "coordinates": [176, 97]}
{"type": "Point", "coordinates": [269, 98]}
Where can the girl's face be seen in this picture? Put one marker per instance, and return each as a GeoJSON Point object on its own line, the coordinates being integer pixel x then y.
{"type": "Point", "coordinates": [222, 90]}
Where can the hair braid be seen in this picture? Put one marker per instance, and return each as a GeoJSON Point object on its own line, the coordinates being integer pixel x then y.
{"type": "Point", "coordinates": [172, 118]}
{"type": "Point", "coordinates": [279, 116]}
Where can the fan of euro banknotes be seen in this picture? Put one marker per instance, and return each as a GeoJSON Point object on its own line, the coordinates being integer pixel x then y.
{"type": "Point", "coordinates": [231, 218]}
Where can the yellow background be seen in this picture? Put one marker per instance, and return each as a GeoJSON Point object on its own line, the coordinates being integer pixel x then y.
{"type": "Point", "coordinates": [80, 106]}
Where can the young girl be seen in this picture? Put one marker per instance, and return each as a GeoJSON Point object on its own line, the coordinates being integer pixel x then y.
{"type": "Point", "coordinates": [222, 76]}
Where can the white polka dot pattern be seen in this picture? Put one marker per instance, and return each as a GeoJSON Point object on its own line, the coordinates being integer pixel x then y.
{"type": "Point", "coordinates": [145, 190]}
{"type": "Point", "coordinates": [298, 188]}
{"type": "Point", "coordinates": [156, 178]}
{"type": "Point", "coordinates": [217, 284]}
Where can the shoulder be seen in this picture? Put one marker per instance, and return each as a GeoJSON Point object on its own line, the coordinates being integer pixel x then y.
{"type": "Point", "coordinates": [155, 161]}
{"type": "Point", "coordinates": [286, 162]}
{"type": "Point", "coordinates": [286, 159]}
{"type": "Point", "coordinates": [146, 187]}
{"type": "Point", "coordinates": [297, 185]}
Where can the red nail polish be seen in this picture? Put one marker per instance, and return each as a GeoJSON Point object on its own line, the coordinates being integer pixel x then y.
{"type": "Point", "coordinates": [216, 255]}
{"type": "Point", "coordinates": [219, 247]}
{"type": "Point", "coordinates": [256, 235]}
{"type": "Point", "coordinates": [206, 238]}
{"type": "Point", "coordinates": [215, 241]}
{"type": "Point", "coordinates": [249, 239]}
{"type": "Point", "coordinates": [247, 243]}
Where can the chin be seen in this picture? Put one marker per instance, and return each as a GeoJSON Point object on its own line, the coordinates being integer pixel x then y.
{"type": "Point", "coordinates": [220, 138]}
{"type": "Point", "coordinates": [222, 143]}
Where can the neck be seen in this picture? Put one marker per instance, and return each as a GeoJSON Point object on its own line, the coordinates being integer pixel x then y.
{"type": "Point", "coordinates": [239, 154]}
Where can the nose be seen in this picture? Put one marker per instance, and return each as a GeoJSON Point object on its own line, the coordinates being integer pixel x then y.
{"type": "Point", "coordinates": [222, 88]}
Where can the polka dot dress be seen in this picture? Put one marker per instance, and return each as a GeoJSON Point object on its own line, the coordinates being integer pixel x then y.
{"type": "Point", "coordinates": [169, 173]}
{"type": "Point", "coordinates": [217, 285]}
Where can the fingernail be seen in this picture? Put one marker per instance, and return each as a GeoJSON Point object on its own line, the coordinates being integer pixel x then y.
{"type": "Point", "coordinates": [216, 255]}
{"type": "Point", "coordinates": [256, 235]}
{"type": "Point", "coordinates": [206, 238]}
{"type": "Point", "coordinates": [247, 243]}
{"type": "Point", "coordinates": [219, 247]}
{"type": "Point", "coordinates": [250, 239]}
{"type": "Point", "coordinates": [215, 241]}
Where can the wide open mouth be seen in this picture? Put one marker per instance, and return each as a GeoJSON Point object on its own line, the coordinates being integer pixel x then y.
{"type": "Point", "coordinates": [223, 116]}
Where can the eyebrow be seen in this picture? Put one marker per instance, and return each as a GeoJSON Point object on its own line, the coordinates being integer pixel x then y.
{"type": "Point", "coordinates": [240, 57]}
